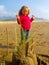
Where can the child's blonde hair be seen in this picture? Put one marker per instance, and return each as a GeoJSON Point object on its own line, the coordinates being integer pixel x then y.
{"type": "Point", "coordinates": [23, 7]}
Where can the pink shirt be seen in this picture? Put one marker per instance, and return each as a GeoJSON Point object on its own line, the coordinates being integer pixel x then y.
{"type": "Point", "coordinates": [25, 22]}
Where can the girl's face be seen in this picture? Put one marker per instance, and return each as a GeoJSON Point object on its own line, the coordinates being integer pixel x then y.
{"type": "Point", "coordinates": [25, 11]}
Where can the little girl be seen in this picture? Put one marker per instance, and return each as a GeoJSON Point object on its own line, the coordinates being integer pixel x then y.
{"type": "Point", "coordinates": [25, 21]}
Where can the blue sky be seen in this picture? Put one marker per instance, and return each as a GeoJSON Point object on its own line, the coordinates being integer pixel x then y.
{"type": "Point", "coordinates": [39, 8]}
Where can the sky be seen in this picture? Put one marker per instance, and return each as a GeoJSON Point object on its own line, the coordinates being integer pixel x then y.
{"type": "Point", "coordinates": [38, 8]}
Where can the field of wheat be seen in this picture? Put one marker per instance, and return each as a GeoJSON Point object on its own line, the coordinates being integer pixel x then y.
{"type": "Point", "coordinates": [38, 37]}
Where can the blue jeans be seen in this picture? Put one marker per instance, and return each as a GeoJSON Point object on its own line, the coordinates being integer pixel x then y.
{"type": "Point", "coordinates": [24, 35]}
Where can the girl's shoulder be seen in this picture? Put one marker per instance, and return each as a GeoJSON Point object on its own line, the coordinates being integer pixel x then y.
{"type": "Point", "coordinates": [24, 17]}
{"type": "Point", "coordinates": [21, 16]}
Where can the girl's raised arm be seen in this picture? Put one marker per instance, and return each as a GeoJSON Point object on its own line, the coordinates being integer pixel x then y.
{"type": "Point", "coordinates": [32, 18]}
{"type": "Point", "coordinates": [18, 19]}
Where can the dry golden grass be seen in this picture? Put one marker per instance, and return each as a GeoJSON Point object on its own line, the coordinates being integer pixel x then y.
{"type": "Point", "coordinates": [39, 34]}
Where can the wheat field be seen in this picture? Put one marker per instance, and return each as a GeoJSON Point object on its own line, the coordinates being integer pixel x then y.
{"type": "Point", "coordinates": [39, 33]}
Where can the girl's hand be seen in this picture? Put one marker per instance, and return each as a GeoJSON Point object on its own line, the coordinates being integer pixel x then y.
{"type": "Point", "coordinates": [18, 19]}
{"type": "Point", "coordinates": [17, 16]}
{"type": "Point", "coordinates": [33, 17]}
